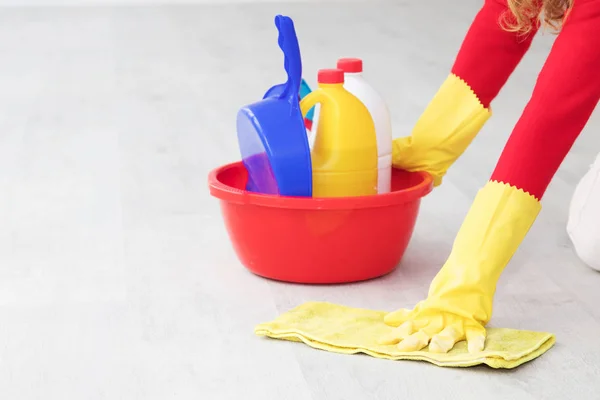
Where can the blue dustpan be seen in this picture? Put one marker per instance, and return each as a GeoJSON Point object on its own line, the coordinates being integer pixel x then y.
{"type": "Point", "coordinates": [271, 133]}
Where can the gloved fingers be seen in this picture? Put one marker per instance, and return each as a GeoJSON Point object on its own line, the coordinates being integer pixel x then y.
{"type": "Point", "coordinates": [476, 335]}
{"type": "Point", "coordinates": [395, 335]}
{"type": "Point", "coordinates": [447, 338]}
{"type": "Point", "coordinates": [405, 155]}
{"type": "Point", "coordinates": [420, 339]}
{"type": "Point", "coordinates": [399, 145]}
{"type": "Point", "coordinates": [400, 333]}
{"type": "Point", "coordinates": [415, 342]}
{"type": "Point", "coordinates": [397, 318]}
{"type": "Point", "coordinates": [409, 155]}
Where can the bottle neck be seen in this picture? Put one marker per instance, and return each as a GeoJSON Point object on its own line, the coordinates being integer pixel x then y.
{"type": "Point", "coordinates": [331, 85]}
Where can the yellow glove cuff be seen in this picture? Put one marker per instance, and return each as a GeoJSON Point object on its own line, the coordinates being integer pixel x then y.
{"type": "Point", "coordinates": [443, 132]}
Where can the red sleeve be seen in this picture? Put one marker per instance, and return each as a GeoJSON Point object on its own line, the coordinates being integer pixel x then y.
{"type": "Point", "coordinates": [489, 54]}
{"type": "Point", "coordinates": [564, 97]}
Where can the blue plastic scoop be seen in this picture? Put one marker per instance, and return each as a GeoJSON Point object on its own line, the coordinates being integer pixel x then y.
{"type": "Point", "coordinates": [271, 133]}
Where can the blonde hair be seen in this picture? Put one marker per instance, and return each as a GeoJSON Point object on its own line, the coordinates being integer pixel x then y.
{"type": "Point", "coordinates": [525, 14]}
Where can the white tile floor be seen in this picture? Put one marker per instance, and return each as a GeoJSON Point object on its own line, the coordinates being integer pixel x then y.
{"type": "Point", "coordinates": [117, 280]}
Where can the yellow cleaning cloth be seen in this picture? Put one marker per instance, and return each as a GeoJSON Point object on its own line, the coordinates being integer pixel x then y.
{"type": "Point", "coordinates": [346, 330]}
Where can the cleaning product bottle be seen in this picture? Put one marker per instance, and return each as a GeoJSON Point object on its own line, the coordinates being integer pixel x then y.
{"type": "Point", "coordinates": [356, 84]}
{"type": "Point", "coordinates": [344, 154]}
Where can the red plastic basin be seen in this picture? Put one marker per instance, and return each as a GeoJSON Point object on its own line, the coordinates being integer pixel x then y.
{"type": "Point", "coordinates": [319, 240]}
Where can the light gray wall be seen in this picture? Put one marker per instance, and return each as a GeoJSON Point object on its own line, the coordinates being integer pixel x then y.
{"type": "Point", "coordinates": [13, 3]}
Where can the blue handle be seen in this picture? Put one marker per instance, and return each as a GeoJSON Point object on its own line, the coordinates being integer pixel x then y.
{"type": "Point", "coordinates": [288, 42]}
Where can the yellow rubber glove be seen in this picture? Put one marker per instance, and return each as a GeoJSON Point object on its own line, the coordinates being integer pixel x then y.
{"type": "Point", "coordinates": [443, 132]}
{"type": "Point", "coordinates": [459, 304]}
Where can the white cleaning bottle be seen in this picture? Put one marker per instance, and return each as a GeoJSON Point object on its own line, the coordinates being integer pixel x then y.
{"type": "Point", "coordinates": [360, 88]}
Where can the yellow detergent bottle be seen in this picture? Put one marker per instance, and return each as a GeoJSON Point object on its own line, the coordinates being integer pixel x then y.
{"type": "Point", "coordinates": [344, 154]}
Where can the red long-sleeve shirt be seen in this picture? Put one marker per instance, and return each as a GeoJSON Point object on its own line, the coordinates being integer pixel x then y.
{"type": "Point", "coordinates": [566, 92]}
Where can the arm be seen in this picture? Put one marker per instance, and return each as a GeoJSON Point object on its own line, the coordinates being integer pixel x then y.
{"type": "Point", "coordinates": [485, 61]}
{"type": "Point", "coordinates": [459, 304]}
{"type": "Point", "coordinates": [489, 54]}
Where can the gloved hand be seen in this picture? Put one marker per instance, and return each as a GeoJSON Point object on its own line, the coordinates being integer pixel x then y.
{"type": "Point", "coordinates": [443, 132]}
{"type": "Point", "coordinates": [459, 303]}
{"type": "Point", "coordinates": [427, 325]}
